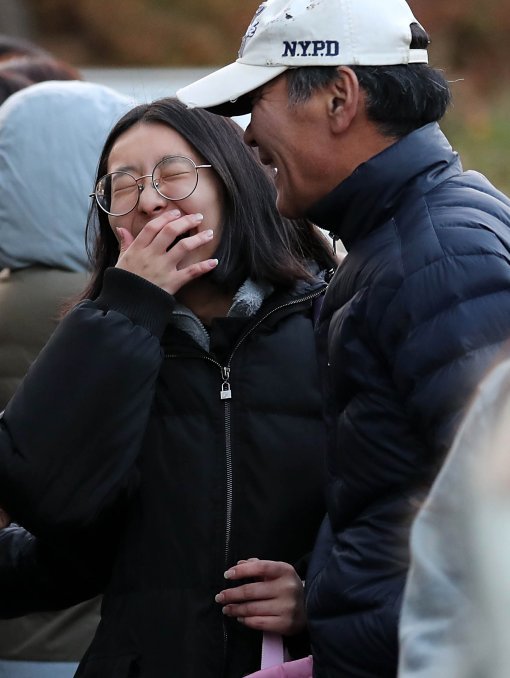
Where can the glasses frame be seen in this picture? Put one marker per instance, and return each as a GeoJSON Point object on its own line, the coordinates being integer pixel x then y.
{"type": "Point", "coordinates": [155, 185]}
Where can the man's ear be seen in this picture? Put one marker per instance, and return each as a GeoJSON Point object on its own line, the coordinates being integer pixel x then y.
{"type": "Point", "coordinates": [344, 98]}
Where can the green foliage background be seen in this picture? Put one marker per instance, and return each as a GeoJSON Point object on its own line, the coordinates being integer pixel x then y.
{"type": "Point", "coordinates": [470, 40]}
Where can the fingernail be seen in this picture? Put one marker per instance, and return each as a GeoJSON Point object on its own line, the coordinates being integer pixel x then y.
{"type": "Point", "coordinates": [198, 217]}
{"type": "Point", "coordinates": [240, 620]}
{"type": "Point", "coordinates": [175, 213]}
{"type": "Point", "coordinates": [209, 234]}
{"type": "Point", "coordinates": [231, 572]}
{"type": "Point", "coordinates": [213, 263]}
{"type": "Point", "coordinates": [219, 598]}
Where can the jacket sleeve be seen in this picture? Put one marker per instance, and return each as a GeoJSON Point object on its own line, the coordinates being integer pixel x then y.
{"type": "Point", "coordinates": [36, 575]}
{"type": "Point", "coordinates": [71, 434]}
{"type": "Point", "coordinates": [441, 331]}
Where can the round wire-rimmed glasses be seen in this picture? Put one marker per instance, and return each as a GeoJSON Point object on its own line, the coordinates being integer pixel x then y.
{"type": "Point", "coordinates": [174, 178]}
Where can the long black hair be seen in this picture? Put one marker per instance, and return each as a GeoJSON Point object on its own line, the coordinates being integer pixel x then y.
{"type": "Point", "coordinates": [256, 241]}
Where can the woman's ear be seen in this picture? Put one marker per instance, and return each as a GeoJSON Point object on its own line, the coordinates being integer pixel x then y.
{"type": "Point", "coordinates": [343, 100]}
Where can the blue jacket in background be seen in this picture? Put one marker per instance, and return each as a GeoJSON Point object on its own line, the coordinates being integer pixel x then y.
{"type": "Point", "coordinates": [51, 136]}
{"type": "Point", "coordinates": [416, 314]}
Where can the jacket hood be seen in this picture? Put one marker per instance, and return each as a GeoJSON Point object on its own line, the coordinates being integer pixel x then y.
{"type": "Point", "coordinates": [51, 137]}
{"type": "Point", "coordinates": [371, 195]}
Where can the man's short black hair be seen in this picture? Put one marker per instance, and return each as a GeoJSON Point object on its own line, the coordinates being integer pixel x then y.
{"type": "Point", "coordinates": [399, 99]}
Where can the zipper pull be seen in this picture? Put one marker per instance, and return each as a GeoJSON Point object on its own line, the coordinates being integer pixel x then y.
{"type": "Point", "coordinates": [225, 392]}
{"type": "Point", "coordinates": [334, 238]}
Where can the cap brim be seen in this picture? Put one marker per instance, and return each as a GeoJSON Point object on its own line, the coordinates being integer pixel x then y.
{"type": "Point", "coordinates": [223, 92]}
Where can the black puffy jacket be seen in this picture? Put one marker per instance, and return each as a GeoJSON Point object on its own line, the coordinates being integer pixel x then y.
{"type": "Point", "coordinates": [416, 314]}
{"type": "Point", "coordinates": [140, 480]}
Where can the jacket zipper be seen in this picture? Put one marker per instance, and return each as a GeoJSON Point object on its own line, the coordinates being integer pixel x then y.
{"type": "Point", "coordinates": [226, 396]}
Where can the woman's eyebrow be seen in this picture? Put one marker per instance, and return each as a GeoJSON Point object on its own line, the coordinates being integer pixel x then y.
{"type": "Point", "coordinates": [131, 168]}
{"type": "Point", "coordinates": [124, 168]}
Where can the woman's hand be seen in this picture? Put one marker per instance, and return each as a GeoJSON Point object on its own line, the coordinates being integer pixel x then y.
{"type": "Point", "coordinates": [148, 255]}
{"type": "Point", "coordinates": [274, 602]}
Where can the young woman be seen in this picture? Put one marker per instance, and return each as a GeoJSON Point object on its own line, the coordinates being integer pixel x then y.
{"type": "Point", "coordinates": [182, 472]}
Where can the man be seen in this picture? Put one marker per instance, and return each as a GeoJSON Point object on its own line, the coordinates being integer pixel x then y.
{"type": "Point", "coordinates": [344, 107]}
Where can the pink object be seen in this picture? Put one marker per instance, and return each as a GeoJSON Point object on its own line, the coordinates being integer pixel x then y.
{"type": "Point", "coordinates": [272, 664]}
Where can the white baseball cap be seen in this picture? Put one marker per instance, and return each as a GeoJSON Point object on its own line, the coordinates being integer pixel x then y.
{"type": "Point", "coordinates": [291, 33]}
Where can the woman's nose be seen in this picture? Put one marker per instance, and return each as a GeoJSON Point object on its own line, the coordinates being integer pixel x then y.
{"type": "Point", "coordinates": [149, 200]}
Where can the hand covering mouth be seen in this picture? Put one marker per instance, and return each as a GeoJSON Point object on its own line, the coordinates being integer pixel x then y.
{"type": "Point", "coordinates": [187, 234]}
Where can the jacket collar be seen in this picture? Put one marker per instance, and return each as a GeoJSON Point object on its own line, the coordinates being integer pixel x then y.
{"type": "Point", "coordinates": [247, 301]}
{"type": "Point", "coordinates": [371, 195]}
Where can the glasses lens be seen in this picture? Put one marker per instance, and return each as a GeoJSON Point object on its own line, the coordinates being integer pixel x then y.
{"type": "Point", "coordinates": [175, 177]}
{"type": "Point", "coordinates": [117, 193]}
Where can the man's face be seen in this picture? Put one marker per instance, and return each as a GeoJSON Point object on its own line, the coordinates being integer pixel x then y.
{"type": "Point", "coordinates": [292, 140]}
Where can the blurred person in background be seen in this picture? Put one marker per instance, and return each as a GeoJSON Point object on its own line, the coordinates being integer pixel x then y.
{"type": "Point", "coordinates": [456, 614]}
{"type": "Point", "coordinates": [152, 482]}
{"type": "Point", "coordinates": [23, 63]}
{"type": "Point", "coordinates": [40, 68]}
{"type": "Point", "coordinates": [11, 82]}
{"type": "Point", "coordinates": [51, 135]}
{"type": "Point", "coordinates": [11, 47]}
